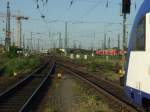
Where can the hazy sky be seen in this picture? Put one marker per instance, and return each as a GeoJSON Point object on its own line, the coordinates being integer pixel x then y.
{"type": "Point", "coordinates": [85, 18]}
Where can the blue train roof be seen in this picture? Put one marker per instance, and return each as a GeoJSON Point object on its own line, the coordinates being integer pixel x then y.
{"type": "Point", "coordinates": [145, 8]}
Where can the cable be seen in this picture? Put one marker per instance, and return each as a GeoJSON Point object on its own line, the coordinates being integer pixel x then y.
{"type": "Point", "coordinates": [91, 9]}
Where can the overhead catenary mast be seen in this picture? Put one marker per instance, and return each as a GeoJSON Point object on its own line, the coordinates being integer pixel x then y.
{"type": "Point", "coordinates": [104, 40]}
{"type": "Point", "coordinates": [109, 43]}
{"type": "Point", "coordinates": [60, 41]}
{"type": "Point", "coordinates": [66, 36]}
{"type": "Point", "coordinates": [118, 41]}
{"type": "Point", "coordinates": [8, 36]}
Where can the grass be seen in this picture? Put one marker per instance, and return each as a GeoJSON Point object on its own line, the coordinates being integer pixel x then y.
{"type": "Point", "coordinates": [91, 66]}
{"type": "Point", "coordinates": [19, 64]}
{"type": "Point", "coordinates": [88, 101]}
{"type": "Point", "coordinates": [100, 64]}
{"type": "Point", "coordinates": [3, 59]}
{"type": "Point", "coordinates": [111, 76]}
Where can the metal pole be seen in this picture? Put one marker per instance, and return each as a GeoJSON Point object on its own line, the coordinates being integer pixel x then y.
{"type": "Point", "coordinates": [8, 41]}
{"type": "Point", "coordinates": [118, 41]}
{"type": "Point", "coordinates": [124, 41]}
{"type": "Point", "coordinates": [13, 38]}
{"type": "Point", "coordinates": [60, 41]}
{"type": "Point", "coordinates": [49, 40]}
{"type": "Point", "coordinates": [80, 45]}
{"type": "Point", "coordinates": [66, 35]}
{"type": "Point", "coordinates": [104, 40]}
{"type": "Point", "coordinates": [91, 45]}
{"type": "Point", "coordinates": [1, 41]}
{"type": "Point", "coordinates": [54, 45]}
{"type": "Point", "coordinates": [23, 41]}
{"type": "Point", "coordinates": [74, 44]}
{"type": "Point", "coordinates": [31, 41]}
{"type": "Point", "coordinates": [38, 47]}
{"type": "Point", "coordinates": [109, 43]}
{"type": "Point", "coordinates": [20, 33]}
{"type": "Point", "coordinates": [94, 41]}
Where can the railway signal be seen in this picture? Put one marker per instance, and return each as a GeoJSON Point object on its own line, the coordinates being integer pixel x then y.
{"type": "Point", "coordinates": [126, 4]}
{"type": "Point", "coordinates": [125, 10]}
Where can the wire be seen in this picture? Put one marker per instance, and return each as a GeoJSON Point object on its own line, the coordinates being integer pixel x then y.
{"type": "Point", "coordinates": [89, 1]}
{"type": "Point", "coordinates": [91, 9]}
{"type": "Point", "coordinates": [77, 21]}
{"type": "Point", "coordinates": [38, 8]}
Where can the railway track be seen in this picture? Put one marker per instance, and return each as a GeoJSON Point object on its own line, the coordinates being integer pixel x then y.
{"type": "Point", "coordinates": [113, 92]}
{"type": "Point", "coordinates": [20, 97]}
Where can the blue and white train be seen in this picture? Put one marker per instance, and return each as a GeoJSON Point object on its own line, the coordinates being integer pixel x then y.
{"type": "Point", "coordinates": [137, 81]}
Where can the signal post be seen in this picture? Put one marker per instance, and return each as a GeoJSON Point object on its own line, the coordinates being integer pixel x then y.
{"type": "Point", "coordinates": [125, 10]}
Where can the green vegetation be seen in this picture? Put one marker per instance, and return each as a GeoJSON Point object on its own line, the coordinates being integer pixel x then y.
{"type": "Point", "coordinates": [88, 101]}
{"type": "Point", "coordinates": [3, 60]}
{"type": "Point", "coordinates": [5, 57]}
{"type": "Point", "coordinates": [12, 52]}
{"type": "Point", "coordinates": [12, 63]}
{"type": "Point", "coordinates": [106, 66]}
{"type": "Point", "coordinates": [20, 64]}
{"type": "Point", "coordinates": [91, 66]}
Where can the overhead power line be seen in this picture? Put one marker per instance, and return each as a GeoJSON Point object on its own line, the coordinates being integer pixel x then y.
{"type": "Point", "coordinates": [91, 9]}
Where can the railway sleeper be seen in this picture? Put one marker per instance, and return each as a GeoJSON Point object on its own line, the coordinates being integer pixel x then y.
{"type": "Point", "coordinates": [8, 110]}
{"type": "Point", "coordinates": [18, 98]}
{"type": "Point", "coordinates": [8, 106]}
{"type": "Point", "coordinates": [20, 101]}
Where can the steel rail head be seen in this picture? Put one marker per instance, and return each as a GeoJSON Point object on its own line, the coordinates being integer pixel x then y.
{"type": "Point", "coordinates": [125, 105]}
{"type": "Point", "coordinates": [27, 104]}
{"type": "Point", "coordinates": [17, 85]}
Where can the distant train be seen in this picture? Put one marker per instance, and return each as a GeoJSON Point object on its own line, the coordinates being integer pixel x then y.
{"type": "Point", "coordinates": [137, 80]}
{"type": "Point", "coordinates": [111, 52]}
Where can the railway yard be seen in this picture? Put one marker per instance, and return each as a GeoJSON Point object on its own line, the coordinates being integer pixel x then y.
{"type": "Point", "coordinates": [76, 90]}
{"type": "Point", "coordinates": [74, 56]}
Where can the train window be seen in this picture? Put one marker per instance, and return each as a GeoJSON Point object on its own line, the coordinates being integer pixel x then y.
{"type": "Point", "coordinates": [138, 42]}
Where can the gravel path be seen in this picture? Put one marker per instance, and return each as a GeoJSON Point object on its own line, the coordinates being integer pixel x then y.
{"type": "Point", "coordinates": [60, 97]}
{"type": "Point", "coordinates": [68, 95]}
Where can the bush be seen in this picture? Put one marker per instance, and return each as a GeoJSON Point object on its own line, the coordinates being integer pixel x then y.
{"type": "Point", "coordinates": [13, 52]}
{"type": "Point", "coordinates": [91, 66]}
{"type": "Point", "coordinates": [20, 64]}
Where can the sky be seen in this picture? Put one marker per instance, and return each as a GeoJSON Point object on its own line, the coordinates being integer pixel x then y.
{"type": "Point", "coordinates": [87, 20]}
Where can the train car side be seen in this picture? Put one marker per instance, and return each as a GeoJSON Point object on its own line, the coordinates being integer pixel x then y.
{"type": "Point", "coordinates": [138, 65]}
